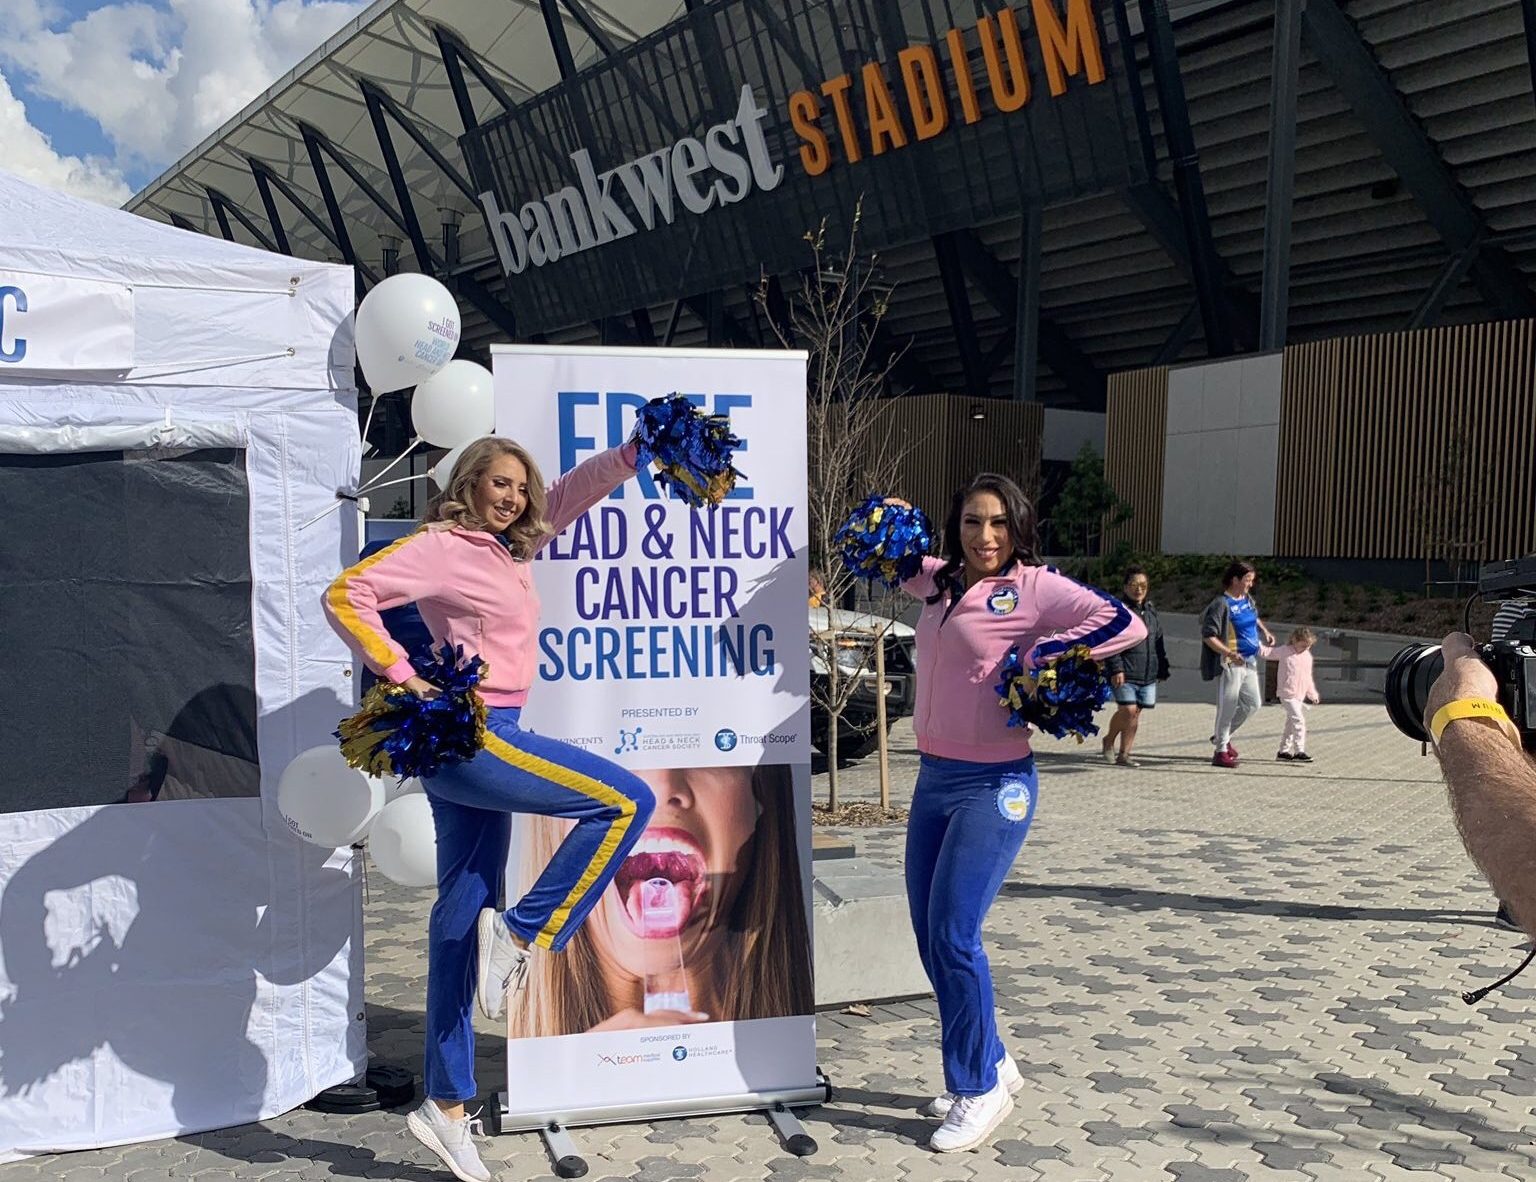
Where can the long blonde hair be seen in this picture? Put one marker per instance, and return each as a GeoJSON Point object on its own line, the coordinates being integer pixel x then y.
{"type": "Point", "coordinates": [457, 502]}
{"type": "Point", "coordinates": [764, 972]}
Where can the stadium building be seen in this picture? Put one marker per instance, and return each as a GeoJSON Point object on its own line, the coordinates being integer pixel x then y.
{"type": "Point", "coordinates": [1274, 257]}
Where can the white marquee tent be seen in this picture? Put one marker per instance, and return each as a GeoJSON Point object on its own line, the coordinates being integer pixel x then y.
{"type": "Point", "coordinates": [173, 410]}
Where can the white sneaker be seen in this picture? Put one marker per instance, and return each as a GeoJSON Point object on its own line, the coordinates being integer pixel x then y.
{"type": "Point", "coordinates": [452, 1140]}
{"type": "Point", "coordinates": [971, 1121]}
{"type": "Point", "coordinates": [1007, 1077]}
{"type": "Point", "coordinates": [502, 965]}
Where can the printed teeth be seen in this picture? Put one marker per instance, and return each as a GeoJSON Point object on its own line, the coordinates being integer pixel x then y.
{"type": "Point", "coordinates": [662, 844]}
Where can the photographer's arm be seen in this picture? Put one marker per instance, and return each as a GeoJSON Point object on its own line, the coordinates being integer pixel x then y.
{"type": "Point", "coordinates": [1492, 783]}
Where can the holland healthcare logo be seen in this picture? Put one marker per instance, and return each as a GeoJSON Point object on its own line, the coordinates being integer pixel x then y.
{"type": "Point", "coordinates": [725, 739]}
{"type": "Point", "coordinates": [629, 740]}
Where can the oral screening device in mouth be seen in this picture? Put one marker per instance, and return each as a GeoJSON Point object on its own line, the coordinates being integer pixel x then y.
{"type": "Point", "coordinates": [660, 912]}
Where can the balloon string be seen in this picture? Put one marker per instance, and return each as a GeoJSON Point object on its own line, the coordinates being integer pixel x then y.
{"type": "Point", "coordinates": [392, 483]}
{"type": "Point", "coordinates": [373, 405]}
{"type": "Point", "coordinates": [415, 443]}
{"type": "Point", "coordinates": [343, 497]}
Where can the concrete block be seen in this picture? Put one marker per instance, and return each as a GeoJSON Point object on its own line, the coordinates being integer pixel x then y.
{"type": "Point", "coordinates": [1262, 384]}
{"type": "Point", "coordinates": [1253, 499]}
{"type": "Point", "coordinates": [1181, 494]}
{"type": "Point", "coordinates": [863, 935]}
{"type": "Point", "coordinates": [1218, 470]}
{"type": "Point", "coordinates": [1186, 400]}
{"type": "Point", "coordinates": [1221, 406]}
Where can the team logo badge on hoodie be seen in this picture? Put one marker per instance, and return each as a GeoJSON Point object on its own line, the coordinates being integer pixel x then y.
{"type": "Point", "coordinates": [1014, 801]}
{"type": "Point", "coordinates": [1003, 601]}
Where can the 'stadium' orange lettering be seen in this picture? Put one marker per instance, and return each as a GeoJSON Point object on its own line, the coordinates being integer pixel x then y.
{"type": "Point", "coordinates": [965, 85]}
{"type": "Point", "coordinates": [836, 89]}
{"type": "Point", "coordinates": [805, 117]}
{"type": "Point", "coordinates": [885, 129]}
{"type": "Point", "coordinates": [925, 90]}
{"type": "Point", "coordinates": [1067, 49]}
{"type": "Point", "coordinates": [1010, 88]}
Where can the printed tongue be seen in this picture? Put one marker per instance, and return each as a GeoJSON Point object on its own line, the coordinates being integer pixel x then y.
{"type": "Point", "coordinates": [662, 909]}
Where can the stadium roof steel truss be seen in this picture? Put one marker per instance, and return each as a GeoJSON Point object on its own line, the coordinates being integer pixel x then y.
{"type": "Point", "coordinates": [1413, 193]}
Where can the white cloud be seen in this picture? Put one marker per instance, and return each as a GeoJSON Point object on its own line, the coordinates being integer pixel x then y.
{"type": "Point", "coordinates": [30, 155]}
{"type": "Point", "coordinates": [159, 78]}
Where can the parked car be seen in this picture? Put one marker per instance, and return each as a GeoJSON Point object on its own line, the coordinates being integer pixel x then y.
{"type": "Point", "coordinates": [857, 733]}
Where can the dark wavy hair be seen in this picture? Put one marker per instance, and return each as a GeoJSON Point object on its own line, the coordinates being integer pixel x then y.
{"type": "Point", "coordinates": [1021, 528]}
{"type": "Point", "coordinates": [1236, 570]}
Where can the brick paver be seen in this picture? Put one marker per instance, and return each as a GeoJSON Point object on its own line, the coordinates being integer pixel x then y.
{"type": "Point", "coordinates": [1206, 976]}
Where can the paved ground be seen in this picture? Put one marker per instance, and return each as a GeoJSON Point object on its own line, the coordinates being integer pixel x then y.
{"type": "Point", "coordinates": [1206, 976]}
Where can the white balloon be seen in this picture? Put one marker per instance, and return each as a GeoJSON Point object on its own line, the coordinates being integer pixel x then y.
{"type": "Point", "coordinates": [407, 329]}
{"type": "Point", "coordinates": [403, 841]}
{"type": "Point", "coordinates": [442, 471]}
{"type": "Point", "coordinates": [454, 406]}
{"type": "Point", "coordinates": [326, 802]}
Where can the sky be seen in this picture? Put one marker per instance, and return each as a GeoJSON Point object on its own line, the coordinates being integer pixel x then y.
{"type": "Point", "coordinates": [98, 98]}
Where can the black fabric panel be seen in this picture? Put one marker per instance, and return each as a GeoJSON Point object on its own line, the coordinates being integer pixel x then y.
{"type": "Point", "coordinates": [125, 624]}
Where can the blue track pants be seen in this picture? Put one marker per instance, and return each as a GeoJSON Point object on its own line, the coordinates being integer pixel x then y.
{"type": "Point", "coordinates": [472, 803]}
{"type": "Point", "coordinates": [967, 825]}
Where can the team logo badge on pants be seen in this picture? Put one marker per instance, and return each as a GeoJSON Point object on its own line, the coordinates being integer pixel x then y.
{"type": "Point", "coordinates": [1014, 801]}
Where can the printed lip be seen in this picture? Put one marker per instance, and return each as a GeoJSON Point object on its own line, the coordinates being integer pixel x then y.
{"type": "Point", "coordinates": [662, 884]}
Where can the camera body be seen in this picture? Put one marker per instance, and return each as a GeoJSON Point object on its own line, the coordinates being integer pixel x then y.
{"type": "Point", "coordinates": [1511, 658]}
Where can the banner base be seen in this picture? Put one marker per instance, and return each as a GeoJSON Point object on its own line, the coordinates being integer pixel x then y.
{"type": "Point", "coordinates": [566, 1155]}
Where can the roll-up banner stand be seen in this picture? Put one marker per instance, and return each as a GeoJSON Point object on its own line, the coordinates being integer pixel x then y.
{"type": "Point", "coordinates": [674, 642]}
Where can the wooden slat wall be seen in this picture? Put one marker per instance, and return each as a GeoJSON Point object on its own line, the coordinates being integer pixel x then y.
{"type": "Point", "coordinates": [1135, 429]}
{"type": "Point", "coordinates": [1364, 422]}
{"type": "Point", "coordinates": [945, 446]}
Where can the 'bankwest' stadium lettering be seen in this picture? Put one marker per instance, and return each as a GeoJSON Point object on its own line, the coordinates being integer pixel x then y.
{"type": "Point", "coordinates": [696, 174]}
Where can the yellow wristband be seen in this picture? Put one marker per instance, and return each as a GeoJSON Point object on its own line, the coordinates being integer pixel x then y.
{"type": "Point", "coordinates": [1472, 708]}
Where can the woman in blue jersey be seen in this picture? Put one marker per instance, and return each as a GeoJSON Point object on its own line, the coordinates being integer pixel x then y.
{"type": "Point", "coordinates": [1232, 633]}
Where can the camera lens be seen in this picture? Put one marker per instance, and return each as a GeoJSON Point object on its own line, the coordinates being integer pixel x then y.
{"type": "Point", "coordinates": [1409, 677]}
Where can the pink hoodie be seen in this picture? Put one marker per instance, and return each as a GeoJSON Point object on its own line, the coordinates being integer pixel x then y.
{"type": "Point", "coordinates": [468, 587]}
{"type": "Point", "coordinates": [961, 647]}
{"type": "Point", "coordinates": [1293, 681]}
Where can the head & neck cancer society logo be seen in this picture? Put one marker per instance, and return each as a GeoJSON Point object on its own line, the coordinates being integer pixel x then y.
{"type": "Point", "coordinates": [629, 740]}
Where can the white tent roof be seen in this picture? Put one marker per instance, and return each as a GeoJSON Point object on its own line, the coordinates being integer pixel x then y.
{"type": "Point", "coordinates": [207, 313]}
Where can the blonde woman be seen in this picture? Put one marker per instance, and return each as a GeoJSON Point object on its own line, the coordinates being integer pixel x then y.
{"type": "Point", "coordinates": [705, 921]}
{"type": "Point", "coordinates": [468, 570]}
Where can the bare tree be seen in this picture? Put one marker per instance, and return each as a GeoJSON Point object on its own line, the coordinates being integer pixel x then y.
{"type": "Point", "coordinates": [851, 452]}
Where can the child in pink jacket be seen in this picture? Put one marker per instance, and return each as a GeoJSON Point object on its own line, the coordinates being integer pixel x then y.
{"type": "Point", "coordinates": [1296, 689]}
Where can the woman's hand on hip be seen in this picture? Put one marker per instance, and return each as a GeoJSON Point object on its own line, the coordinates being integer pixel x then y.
{"type": "Point", "coordinates": [1117, 679]}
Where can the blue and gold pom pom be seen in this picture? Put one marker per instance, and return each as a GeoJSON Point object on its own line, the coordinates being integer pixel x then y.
{"type": "Point", "coordinates": [884, 543]}
{"type": "Point", "coordinates": [1060, 697]}
{"type": "Point", "coordinates": [692, 450]}
{"type": "Point", "coordinates": [396, 733]}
